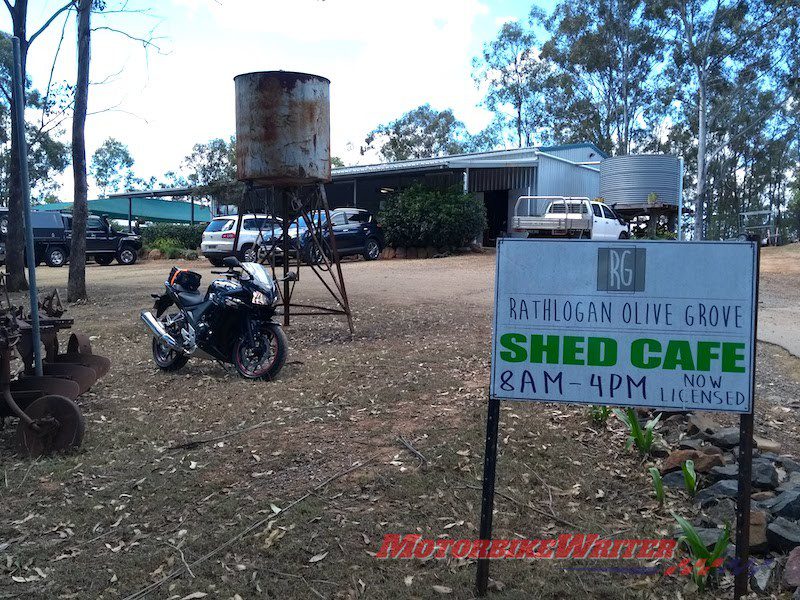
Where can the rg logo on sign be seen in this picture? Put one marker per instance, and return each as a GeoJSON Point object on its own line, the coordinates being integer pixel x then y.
{"type": "Point", "coordinates": [620, 269]}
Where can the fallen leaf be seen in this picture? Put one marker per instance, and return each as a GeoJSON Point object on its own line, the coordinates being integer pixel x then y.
{"type": "Point", "coordinates": [408, 580]}
{"type": "Point", "coordinates": [318, 557]}
{"type": "Point", "coordinates": [442, 589]}
{"type": "Point", "coordinates": [194, 595]}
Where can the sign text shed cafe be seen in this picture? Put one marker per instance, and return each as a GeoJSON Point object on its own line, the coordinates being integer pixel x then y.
{"type": "Point", "coordinates": [654, 324]}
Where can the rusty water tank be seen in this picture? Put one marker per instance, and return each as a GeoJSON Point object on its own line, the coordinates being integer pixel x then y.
{"type": "Point", "coordinates": [283, 128]}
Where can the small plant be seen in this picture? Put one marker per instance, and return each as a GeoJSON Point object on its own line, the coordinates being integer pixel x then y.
{"type": "Point", "coordinates": [689, 477]}
{"type": "Point", "coordinates": [705, 562]}
{"type": "Point", "coordinates": [643, 438]}
{"type": "Point", "coordinates": [599, 414]}
{"type": "Point", "coordinates": [658, 485]}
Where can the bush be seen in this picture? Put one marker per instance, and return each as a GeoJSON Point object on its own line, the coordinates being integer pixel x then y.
{"type": "Point", "coordinates": [420, 216]}
{"type": "Point", "coordinates": [169, 247]}
{"type": "Point", "coordinates": [184, 236]}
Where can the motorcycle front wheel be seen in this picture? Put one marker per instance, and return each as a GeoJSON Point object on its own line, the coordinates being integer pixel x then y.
{"type": "Point", "coordinates": [262, 358]}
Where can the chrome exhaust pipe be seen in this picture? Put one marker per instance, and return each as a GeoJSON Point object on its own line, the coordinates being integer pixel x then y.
{"type": "Point", "coordinates": [160, 333]}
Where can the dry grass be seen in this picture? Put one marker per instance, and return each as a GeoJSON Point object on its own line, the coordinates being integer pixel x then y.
{"type": "Point", "coordinates": [126, 509]}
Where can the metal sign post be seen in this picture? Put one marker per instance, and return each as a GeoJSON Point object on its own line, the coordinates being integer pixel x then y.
{"type": "Point", "coordinates": [25, 185]}
{"type": "Point", "coordinates": [646, 324]}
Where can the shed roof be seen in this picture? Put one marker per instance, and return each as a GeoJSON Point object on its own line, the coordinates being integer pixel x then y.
{"type": "Point", "coordinates": [147, 209]}
{"type": "Point", "coordinates": [517, 157]}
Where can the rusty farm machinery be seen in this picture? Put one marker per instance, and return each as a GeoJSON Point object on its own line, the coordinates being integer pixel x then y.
{"type": "Point", "coordinates": [49, 419]}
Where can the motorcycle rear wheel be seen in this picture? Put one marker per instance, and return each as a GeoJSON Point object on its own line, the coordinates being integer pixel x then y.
{"type": "Point", "coordinates": [266, 359]}
{"type": "Point", "coordinates": [166, 358]}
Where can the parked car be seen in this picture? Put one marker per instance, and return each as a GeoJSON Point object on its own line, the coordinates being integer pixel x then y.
{"type": "Point", "coordinates": [355, 230]}
{"type": "Point", "coordinates": [52, 237]}
{"type": "Point", "coordinates": [547, 216]}
{"type": "Point", "coordinates": [217, 243]}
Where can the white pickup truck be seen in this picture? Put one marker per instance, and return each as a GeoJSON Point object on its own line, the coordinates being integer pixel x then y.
{"type": "Point", "coordinates": [563, 216]}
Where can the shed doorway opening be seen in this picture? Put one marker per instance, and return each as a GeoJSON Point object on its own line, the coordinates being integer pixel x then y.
{"type": "Point", "coordinates": [496, 203]}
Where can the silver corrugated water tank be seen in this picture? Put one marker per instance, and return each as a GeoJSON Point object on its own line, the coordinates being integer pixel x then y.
{"type": "Point", "coordinates": [629, 180]}
{"type": "Point", "coordinates": [283, 128]}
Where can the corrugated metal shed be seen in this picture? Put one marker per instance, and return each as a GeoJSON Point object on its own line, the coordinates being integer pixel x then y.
{"type": "Point", "coordinates": [517, 178]}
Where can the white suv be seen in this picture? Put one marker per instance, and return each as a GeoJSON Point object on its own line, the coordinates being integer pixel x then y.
{"type": "Point", "coordinates": [218, 237]}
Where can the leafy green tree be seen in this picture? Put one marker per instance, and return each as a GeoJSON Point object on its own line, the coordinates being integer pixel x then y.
{"type": "Point", "coordinates": [513, 78]}
{"type": "Point", "coordinates": [112, 166]}
{"type": "Point", "coordinates": [420, 133]}
{"type": "Point", "coordinates": [602, 57]}
{"type": "Point", "coordinates": [336, 161]}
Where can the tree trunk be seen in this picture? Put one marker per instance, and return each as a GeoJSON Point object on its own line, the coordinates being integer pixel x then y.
{"type": "Point", "coordinates": [76, 288]}
{"type": "Point", "coordinates": [15, 240]}
{"type": "Point", "coordinates": [702, 132]}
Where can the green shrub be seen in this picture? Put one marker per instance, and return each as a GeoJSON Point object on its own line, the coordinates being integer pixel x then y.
{"type": "Point", "coordinates": [642, 438]}
{"type": "Point", "coordinates": [184, 236]}
{"type": "Point", "coordinates": [421, 216]}
{"type": "Point", "coordinates": [705, 562]}
{"type": "Point", "coordinates": [165, 245]}
{"type": "Point", "coordinates": [599, 414]}
{"type": "Point", "coordinates": [689, 477]}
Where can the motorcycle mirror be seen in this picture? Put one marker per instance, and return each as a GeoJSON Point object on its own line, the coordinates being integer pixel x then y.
{"type": "Point", "coordinates": [231, 262]}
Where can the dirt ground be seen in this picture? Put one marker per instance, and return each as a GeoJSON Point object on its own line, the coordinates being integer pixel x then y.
{"type": "Point", "coordinates": [130, 508]}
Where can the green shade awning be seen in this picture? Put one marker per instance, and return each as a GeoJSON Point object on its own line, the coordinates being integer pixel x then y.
{"type": "Point", "coordinates": [145, 209]}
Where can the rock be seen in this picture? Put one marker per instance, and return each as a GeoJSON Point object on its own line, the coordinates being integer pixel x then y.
{"type": "Point", "coordinates": [758, 531]}
{"type": "Point", "coordinates": [400, 253]}
{"type": "Point", "coordinates": [789, 464]}
{"type": "Point", "coordinates": [691, 444]}
{"type": "Point", "coordinates": [155, 255]}
{"type": "Point", "coordinates": [763, 577]}
{"type": "Point", "coordinates": [764, 474]}
{"type": "Point", "coordinates": [791, 570]}
{"type": "Point", "coordinates": [766, 445]}
{"type": "Point", "coordinates": [725, 488]}
{"type": "Point", "coordinates": [761, 496]}
{"type": "Point", "coordinates": [724, 472]}
{"type": "Point", "coordinates": [721, 511]}
{"type": "Point", "coordinates": [790, 484]}
{"type": "Point", "coordinates": [703, 462]}
{"type": "Point", "coordinates": [659, 450]}
{"type": "Point", "coordinates": [674, 479]}
{"type": "Point", "coordinates": [786, 505]}
{"type": "Point", "coordinates": [411, 253]}
{"type": "Point", "coordinates": [725, 438]}
{"type": "Point", "coordinates": [701, 424]}
{"type": "Point", "coordinates": [783, 535]}
{"type": "Point", "coordinates": [707, 535]}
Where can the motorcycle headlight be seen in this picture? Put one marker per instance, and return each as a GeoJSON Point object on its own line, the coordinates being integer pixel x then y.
{"type": "Point", "coordinates": [261, 299]}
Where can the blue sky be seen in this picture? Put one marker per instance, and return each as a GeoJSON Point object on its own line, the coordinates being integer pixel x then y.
{"type": "Point", "coordinates": [382, 57]}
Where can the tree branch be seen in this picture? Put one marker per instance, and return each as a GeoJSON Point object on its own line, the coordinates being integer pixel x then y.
{"type": "Point", "coordinates": [145, 42]}
{"type": "Point", "coordinates": [52, 18]}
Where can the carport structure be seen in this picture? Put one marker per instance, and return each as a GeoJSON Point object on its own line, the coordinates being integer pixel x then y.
{"type": "Point", "coordinates": [146, 205]}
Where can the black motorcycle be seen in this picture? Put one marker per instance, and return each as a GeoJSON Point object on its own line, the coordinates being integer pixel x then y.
{"type": "Point", "coordinates": [231, 322]}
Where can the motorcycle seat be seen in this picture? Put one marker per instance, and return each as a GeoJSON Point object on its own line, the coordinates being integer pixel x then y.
{"type": "Point", "coordinates": [191, 298]}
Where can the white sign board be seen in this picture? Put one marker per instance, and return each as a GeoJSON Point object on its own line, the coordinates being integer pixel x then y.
{"type": "Point", "coordinates": [660, 324]}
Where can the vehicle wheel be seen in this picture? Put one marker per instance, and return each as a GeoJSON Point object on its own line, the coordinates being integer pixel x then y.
{"type": "Point", "coordinates": [56, 256]}
{"type": "Point", "coordinates": [372, 249]}
{"type": "Point", "coordinates": [266, 359]}
{"type": "Point", "coordinates": [215, 262]}
{"type": "Point", "coordinates": [313, 255]}
{"type": "Point", "coordinates": [60, 427]}
{"type": "Point", "coordinates": [127, 255]}
{"type": "Point", "coordinates": [166, 358]}
{"type": "Point", "coordinates": [624, 235]}
{"type": "Point", "coordinates": [249, 253]}
{"type": "Point", "coordinates": [103, 259]}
